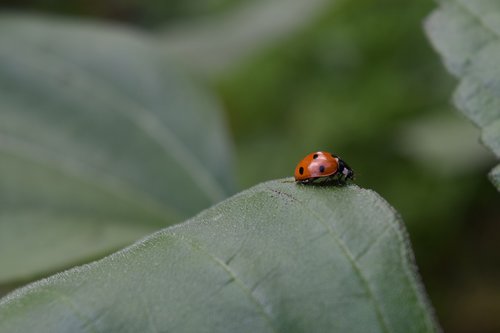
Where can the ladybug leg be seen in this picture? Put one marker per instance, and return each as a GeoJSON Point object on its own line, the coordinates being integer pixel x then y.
{"type": "Point", "coordinates": [340, 180]}
{"type": "Point", "coordinates": [306, 181]}
{"type": "Point", "coordinates": [331, 180]}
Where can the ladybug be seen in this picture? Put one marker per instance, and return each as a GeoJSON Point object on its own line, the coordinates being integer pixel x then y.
{"type": "Point", "coordinates": [322, 168]}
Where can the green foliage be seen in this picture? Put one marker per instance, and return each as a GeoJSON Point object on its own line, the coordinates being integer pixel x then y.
{"type": "Point", "coordinates": [279, 257]}
{"type": "Point", "coordinates": [360, 80]}
{"type": "Point", "coordinates": [467, 35]}
{"type": "Point", "coordinates": [349, 83]}
{"type": "Point", "coordinates": [101, 142]}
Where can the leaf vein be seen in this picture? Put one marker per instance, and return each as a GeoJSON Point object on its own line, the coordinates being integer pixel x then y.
{"type": "Point", "coordinates": [372, 243]}
{"type": "Point", "coordinates": [477, 18]}
{"type": "Point", "coordinates": [80, 171]}
{"type": "Point", "coordinates": [142, 116]}
{"type": "Point", "coordinates": [347, 253]}
{"type": "Point", "coordinates": [233, 276]}
{"type": "Point", "coordinates": [88, 324]}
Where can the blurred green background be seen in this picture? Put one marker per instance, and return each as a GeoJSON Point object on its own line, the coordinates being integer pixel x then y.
{"type": "Point", "coordinates": [357, 78]}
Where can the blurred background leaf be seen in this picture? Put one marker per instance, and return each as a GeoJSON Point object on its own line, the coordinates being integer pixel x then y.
{"type": "Point", "coordinates": [359, 78]}
{"type": "Point", "coordinates": [275, 258]}
{"type": "Point", "coordinates": [101, 142]}
{"type": "Point", "coordinates": [467, 36]}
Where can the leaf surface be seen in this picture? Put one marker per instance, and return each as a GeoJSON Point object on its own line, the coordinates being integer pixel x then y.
{"type": "Point", "coordinates": [278, 257]}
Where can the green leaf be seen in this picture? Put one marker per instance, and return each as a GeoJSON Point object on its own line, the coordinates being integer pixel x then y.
{"type": "Point", "coordinates": [279, 257]}
{"type": "Point", "coordinates": [101, 142]}
{"type": "Point", "coordinates": [467, 36]}
{"type": "Point", "coordinates": [495, 176]}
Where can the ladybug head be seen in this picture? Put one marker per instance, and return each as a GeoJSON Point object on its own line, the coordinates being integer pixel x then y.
{"type": "Point", "coordinates": [345, 170]}
{"type": "Point", "coordinates": [350, 174]}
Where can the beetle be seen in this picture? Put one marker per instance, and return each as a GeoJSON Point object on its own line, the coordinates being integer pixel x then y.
{"type": "Point", "coordinates": [322, 167]}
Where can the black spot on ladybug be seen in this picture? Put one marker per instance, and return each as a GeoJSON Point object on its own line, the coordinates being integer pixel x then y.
{"type": "Point", "coordinates": [315, 156]}
{"type": "Point", "coordinates": [321, 168]}
{"type": "Point", "coordinates": [301, 170]}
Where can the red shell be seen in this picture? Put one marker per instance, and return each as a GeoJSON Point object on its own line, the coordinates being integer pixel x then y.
{"type": "Point", "coordinates": [316, 165]}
